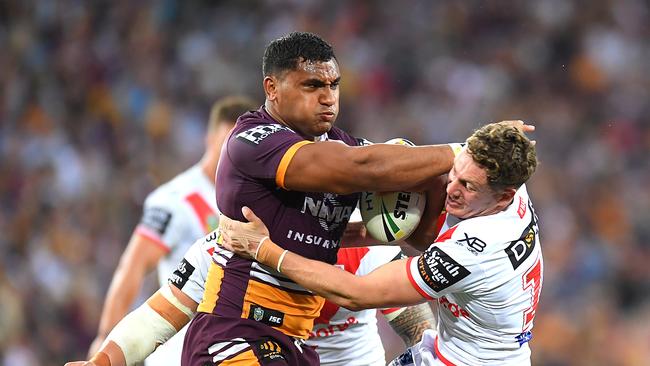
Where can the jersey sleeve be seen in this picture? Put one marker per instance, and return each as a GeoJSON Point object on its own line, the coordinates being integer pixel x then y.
{"type": "Point", "coordinates": [376, 257]}
{"type": "Point", "coordinates": [445, 267]}
{"type": "Point", "coordinates": [192, 271]}
{"type": "Point", "coordinates": [264, 151]}
{"type": "Point", "coordinates": [164, 220]}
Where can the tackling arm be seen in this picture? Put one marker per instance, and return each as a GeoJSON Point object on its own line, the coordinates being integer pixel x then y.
{"type": "Point", "coordinates": [137, 335]}
{"type": "Point", "coordinates": [140, 257]}
{"type": "Point", "coordinates": [387, 286]}
{"type": "Point", "coordinates": [412, 322]}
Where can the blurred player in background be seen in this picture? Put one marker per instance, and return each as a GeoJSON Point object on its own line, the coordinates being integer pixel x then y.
{"type": "Point", "coordinates": [174, 216]}
{"type": "Point", "coordinates": [485, 269]}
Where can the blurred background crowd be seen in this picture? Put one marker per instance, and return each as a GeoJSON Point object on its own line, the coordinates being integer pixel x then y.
{"type": "Point", "coordinates": [101, 101]}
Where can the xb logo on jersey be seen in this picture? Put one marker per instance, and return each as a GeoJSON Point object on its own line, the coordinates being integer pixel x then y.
{"type": "Point", "coordinates": [474, 245]}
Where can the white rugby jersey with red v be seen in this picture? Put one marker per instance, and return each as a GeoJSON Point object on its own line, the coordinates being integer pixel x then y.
{"type": "Point", "coordinates": [486, 273]}
{"type": "Point", "coordinates": [175, 215]}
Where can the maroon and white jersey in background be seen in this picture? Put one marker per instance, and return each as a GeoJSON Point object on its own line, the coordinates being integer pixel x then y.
{"type": "Point", "coordinates": [174, 216]}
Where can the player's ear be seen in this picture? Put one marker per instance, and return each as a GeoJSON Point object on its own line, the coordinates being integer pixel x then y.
{"type": "Point", "coordinates": [505, 196]}
{"type": "Point", "coordinates": [270, 87]}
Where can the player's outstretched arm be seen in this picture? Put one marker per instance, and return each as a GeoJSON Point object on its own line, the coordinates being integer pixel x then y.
{"type": "Point", "coordinates": [139, 258]}
{"type": "Point", "coordinates": [387, 286]}
{"type": "Point", "coordinates": [137, 335]}
{"type": "Point", "coordinates": [338, 168]}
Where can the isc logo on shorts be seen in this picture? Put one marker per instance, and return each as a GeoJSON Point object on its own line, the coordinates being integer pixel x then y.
{"type": "Point", "coordinates": [266, 316]}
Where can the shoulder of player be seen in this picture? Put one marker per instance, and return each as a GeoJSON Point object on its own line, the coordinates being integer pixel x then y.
{"type": "Point", "coordinates": [486, 234]}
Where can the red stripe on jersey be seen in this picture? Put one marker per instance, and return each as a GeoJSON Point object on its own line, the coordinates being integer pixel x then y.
{"type": "Point", "coordinates": [412, 280]}
{"type": "Point", "coordinates": [440, 356]}
{"type": "Point", "coordinates": [388, 311]}
{"type": "Point", "coordinates": [440, 223]}
{"type": "Point", "coordinates": [202, 209]}
{"type": "Point", "coordinates": [446, 235]}
{"type": "Point", "coordinates": [350, 259]}
{"type": "Point", "coordinates": [152, 236]}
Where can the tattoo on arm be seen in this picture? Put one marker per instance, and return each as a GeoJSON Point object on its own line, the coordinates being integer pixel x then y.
{"type": "Point", "coordinates": [412, 322]}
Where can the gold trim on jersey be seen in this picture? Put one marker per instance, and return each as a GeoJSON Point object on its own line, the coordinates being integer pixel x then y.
{"type": "Point", "coordinates": [286, 159]}
{"type": "Point", "coordinates": [212, 286]}
{"type": "Point", "coordinates": [300, 310]}
{"type": "Point", "coordinates": [248, 358]}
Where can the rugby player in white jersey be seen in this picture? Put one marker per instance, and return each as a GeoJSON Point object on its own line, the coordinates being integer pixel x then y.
{"type": "Point", "coordinates": [485, 269]}
{"type": "Point", "coordinates": [175, 215]}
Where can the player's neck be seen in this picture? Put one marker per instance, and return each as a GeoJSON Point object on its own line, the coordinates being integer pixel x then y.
{"type": "Point", "coordinates": [276, 116]}
{"type": "Point", "coordinates": [208, 165]}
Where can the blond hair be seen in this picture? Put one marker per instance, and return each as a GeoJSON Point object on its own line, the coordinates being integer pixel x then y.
{"type": "Point", "coordinates": [506, 154]}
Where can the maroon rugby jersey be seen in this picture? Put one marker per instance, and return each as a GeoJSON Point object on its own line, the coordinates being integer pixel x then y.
{"type": "Point", "coordinates": [251, 173]}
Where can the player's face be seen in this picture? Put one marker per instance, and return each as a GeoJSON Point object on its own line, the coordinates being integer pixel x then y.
{"type": "Point", "coordinates": [308, 97]}
{"type": "Point", "coordinates": [468, 192]}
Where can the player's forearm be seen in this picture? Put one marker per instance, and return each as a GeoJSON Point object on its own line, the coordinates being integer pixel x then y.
{"type": "Point", "coordinates": [137, 335]}
{"type": "Point", "coordinates": [386, 167]}
{"type": "Point", "coordinates": [119, 298]}
{"type": "Point", "coordinates": [109, 355]}
{"type": "Point", "coordinates": [382, 167]}
{"type": "Point", "coordinates": [320, 277]}
{"type": "Point", "coordinates": [412, 322]}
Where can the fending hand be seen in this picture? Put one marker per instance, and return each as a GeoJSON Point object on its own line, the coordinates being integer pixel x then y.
{"type": "Point", "coordinates": [521, 126]}
{"type": "Point", "coordinates": [242, 238]}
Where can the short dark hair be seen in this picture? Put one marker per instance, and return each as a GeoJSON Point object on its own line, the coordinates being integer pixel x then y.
{"type": "Point", "coordinates": [506, 154]}
{"type": "Point", "coordinates": [285, 53]}
{"type": "Point", "coordinates": [228, 109]}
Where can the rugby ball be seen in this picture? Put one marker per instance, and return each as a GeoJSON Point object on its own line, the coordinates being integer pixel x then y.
{"type": "Point", "coordinates": [392, 216]}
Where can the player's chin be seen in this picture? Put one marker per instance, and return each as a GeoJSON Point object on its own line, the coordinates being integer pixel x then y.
{"type": "Point", "coordinates": [323, 127]}
{"type": "Point", "coordinates": [454, 209]}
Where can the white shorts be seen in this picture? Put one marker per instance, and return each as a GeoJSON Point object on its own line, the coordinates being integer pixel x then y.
{"type": "Point", "coordinates": [421, 354]}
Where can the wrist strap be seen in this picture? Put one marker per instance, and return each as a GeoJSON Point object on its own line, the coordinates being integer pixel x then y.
{"type": "Point", "coordinates": [259, 246]}
{"type": "Point", "coordinates": [281, 259]}
{"type": "Point", "coordinates": [457, 148]}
